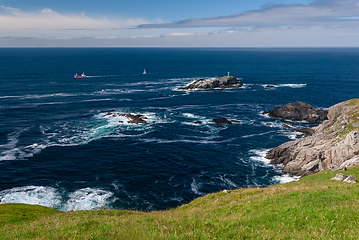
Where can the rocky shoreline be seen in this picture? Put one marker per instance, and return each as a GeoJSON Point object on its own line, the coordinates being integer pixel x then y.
{"type": "Point", "coordinates": [334, 144]}
{"type": "Point", "coordinates": [218, 83]}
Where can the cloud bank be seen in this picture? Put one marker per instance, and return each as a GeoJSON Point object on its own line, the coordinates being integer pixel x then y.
{"type": "Point", "coordinates": [321, 23]}
{"type": "Point", "coordinates": [332, 13]}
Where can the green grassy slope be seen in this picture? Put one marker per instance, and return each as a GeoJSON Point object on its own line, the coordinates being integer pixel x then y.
{"type": "Point", "coordinates": [312, 208]}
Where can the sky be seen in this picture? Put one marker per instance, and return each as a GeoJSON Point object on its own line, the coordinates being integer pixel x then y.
{"type": "Point", "coordinates": [185, 23]}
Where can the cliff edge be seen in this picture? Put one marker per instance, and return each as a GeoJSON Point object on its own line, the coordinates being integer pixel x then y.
{"type": "Point", "coordinates": [333, 145]}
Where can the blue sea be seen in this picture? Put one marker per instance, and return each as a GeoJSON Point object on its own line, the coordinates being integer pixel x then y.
{"type": "Point", "coordinates": [58, 148]}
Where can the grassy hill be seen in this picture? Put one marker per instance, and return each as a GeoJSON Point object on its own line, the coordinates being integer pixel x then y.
{"type": "Point", "coordinates": [312, 208]}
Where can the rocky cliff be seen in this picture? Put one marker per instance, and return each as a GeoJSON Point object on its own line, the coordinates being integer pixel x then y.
{"type": "Point", "coordinates": [219, 83]}
{"type": "Point", "coordinates": [334, 144]}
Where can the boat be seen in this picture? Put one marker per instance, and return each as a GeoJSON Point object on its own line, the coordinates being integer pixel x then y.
{"type": "Point", "coordinates": [80, 76]}
{"type": "Point", "coordinates": [144, 71]}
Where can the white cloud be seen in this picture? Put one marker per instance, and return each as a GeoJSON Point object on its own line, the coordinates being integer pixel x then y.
{"type": "Point", "coordinates": [15, 22]}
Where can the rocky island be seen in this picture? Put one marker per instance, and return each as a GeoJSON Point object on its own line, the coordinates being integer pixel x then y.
{"type": "Point", "coordinates": [298, 111]}
{"type": "Point", "coordinates": [334, 144]}
{"type": "Point", "coordinates": [218, 83]}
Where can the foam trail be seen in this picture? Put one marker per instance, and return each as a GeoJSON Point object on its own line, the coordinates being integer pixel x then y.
{"type": "Point", "coordinates": [195, 187]}
{"type": "Point", "coordinates": [259, 134]}
{"type": "Point", "coordinates": [82, 199]}
{"type": "Point", "coordinates": [292, 85]}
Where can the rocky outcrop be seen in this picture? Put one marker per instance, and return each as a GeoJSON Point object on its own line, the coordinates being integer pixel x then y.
{"type": "Point", "coordinates": [344, 178]}
{"type": "Point", "coordinates": [298, 111]}
{"type": "Point", "coordinates": [221, 120]}
{"type": "Point", "coordinates": [132, 118]}
{"type": "Point", "coordinates": [218, 83]}
{"type": "Point", "coordinates": [331, 145]}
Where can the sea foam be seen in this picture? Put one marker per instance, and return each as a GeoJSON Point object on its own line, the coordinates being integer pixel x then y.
{"type": "Point", "coordinates": [81, 199]}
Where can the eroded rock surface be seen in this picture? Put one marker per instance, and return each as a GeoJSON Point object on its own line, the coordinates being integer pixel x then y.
{"type": "Point", "coordinates": [331, 145]}
{"type": "Point", "coordinates": [219, 83]}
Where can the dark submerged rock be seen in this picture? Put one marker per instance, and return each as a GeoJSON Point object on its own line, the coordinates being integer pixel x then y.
{"type": "Point", "coordinates": [218, 83]}
{"type": "Point", "coordinates": [287, 126]}
{"type": "Point", "coordinates": [221, 120]}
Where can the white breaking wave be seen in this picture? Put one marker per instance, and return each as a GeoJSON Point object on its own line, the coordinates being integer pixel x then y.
{"type": "Point", "coordinates": [35, 195]}
{"type": "Point", "coordinates": [82, 199]}
{"type": "Point", "coordinates": [88, 198]}
{"type": "Point", "coordinates": [285, 178]}
{"type": "Point", "coordinates": [292, 85]}
{"type": "Point", "coordinates": [260, 156]}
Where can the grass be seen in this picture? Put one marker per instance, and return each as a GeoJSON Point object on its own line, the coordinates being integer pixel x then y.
{"type": "Point", "coordinates": [312, 208]}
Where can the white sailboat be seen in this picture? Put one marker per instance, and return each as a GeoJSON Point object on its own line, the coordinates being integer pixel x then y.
{"type": "Point", "coordinates": [144, 71]}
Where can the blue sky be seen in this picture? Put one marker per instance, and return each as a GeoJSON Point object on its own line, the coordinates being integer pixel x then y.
{"type": "Point", "coordinates": [186, 23]}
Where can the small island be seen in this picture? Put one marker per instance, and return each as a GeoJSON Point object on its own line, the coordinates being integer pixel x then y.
{"type": "Point", "coordinates": [218, 83]}
{"type": "Point", "coordinates": [298, 111]}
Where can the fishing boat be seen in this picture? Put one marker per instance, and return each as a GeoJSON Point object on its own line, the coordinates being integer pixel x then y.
{"type": "Point", "coordinates": [144, 71]}
{"type": "Point", "coordinates": [80, 76]}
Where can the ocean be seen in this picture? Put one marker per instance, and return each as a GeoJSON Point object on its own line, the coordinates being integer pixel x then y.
{"type": "Point", "coordinates": [59, 148]}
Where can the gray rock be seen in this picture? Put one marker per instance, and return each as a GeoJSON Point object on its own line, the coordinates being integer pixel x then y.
{"type": "Point", "coordinates": [218, 83]}
{"type": "Point", "coordinates": [340, 168]}
{"type": "Point", "coordinates": [307, 131]}
{"type": "Point", "coordinates": [339, 177]}
{"type": "Point", "coordinates": [350, 179]}
{"type": "Point", "coordinates": [351, 162]}
{"type": "Point", "coordinates": [298, 111]}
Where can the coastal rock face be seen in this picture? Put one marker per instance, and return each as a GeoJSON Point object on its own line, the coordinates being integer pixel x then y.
{"type": "Point", "coordinates": [331, 145]}
{"type": "Point", "coordinates": [298, 111]}
{"type": "Point", "coordinates": [221, 83]}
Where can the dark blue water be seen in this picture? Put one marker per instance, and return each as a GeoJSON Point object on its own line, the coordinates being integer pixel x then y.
{"type": "Point", "coordinates": [58, 147]}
